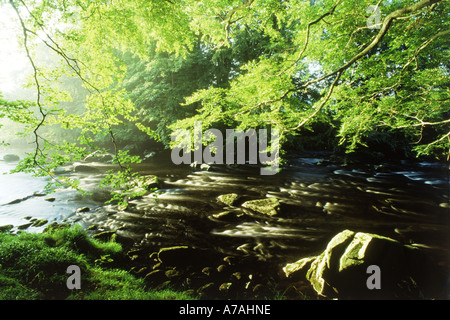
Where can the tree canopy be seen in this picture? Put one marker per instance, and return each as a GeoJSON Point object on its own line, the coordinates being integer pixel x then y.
{"type": "Point", "coordinates": [366, 73]}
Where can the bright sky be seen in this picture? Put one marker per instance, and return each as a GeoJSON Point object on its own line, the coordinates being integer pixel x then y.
{"type": "Point", "coordinates": [13, 60]}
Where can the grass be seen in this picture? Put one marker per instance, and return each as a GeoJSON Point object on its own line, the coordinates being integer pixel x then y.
{"type": "Point", "coordinates": [34, 266]}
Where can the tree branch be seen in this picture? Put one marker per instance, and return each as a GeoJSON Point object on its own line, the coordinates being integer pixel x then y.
{"type": "Point", "coordinates": [338, 72]}
{"type": "Point", "coordinates": [228, 21]}
{"type": "Point", "coordinates": [38, 86]}
{"type": "Point", "coordinates": [330, 91]}
{"type": "Point", "coordinates": [73, 64]}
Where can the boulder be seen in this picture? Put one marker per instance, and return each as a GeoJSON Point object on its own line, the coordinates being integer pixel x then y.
{"type": "Point", "coordinates": [6, 228]}
{"type": "Point", "coordinates": [342, 269]}
{"type": "Point", "coordinates": [268, 206]}
{"type": "Point", "coordinates": [141, 186]}
{"type": "Point", "coordinates": [183, 256]}
{"type": "Point", "coordinates": [11, 157]}
{"type": "Point", "coordinates": [39, 223]}
{"type": "Point", "coordinates": [98, 156]}
{"type": "Point", "coordinates": [229, 199]}
{"type": "Point", "coordinates": [82, 168]}
{"type": "Point", "coordinates": [148, 182]}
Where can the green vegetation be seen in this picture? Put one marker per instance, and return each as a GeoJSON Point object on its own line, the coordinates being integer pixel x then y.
{"type": "Point", "coordinates": [328, 74]}
{"type": "Point", "coordinates": [119, 77]}
{"type": "Point", "coordinates": [34, 266]}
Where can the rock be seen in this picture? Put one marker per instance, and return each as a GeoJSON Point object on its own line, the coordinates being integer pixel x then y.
{"type": "Point", "coordinates": [225, 286]}
{"type": "Point", "coordinates": [156, 277]}
{"type": "Point", "coordinates": [149, 155]}
{"type": "Point", "coordinates": [105, 235]}
{"type": "Point", "coordinates": [172, 273]}
{"type": "Point", "coordinates": [24, 226]}
{"type": "Point", "coordinates": [51, 199]}
{"type": "Point", "coordinates": [55, 226]}
{"type": "Point", "coordinates": [205, 167]}
{"type": "Point", "coordinates": [148, 182]}
{"type": "Point", "coordinates": [201, 166]}
{"type": "Point", "coordinates": [237, 275]}
{"type": "Point", "coordinates": [62, 170]}
{"type": "Point", "coordinates": [229, 260]}
{"type": "Point", "coordinates": [39, 223]}
{"type": "Point", "coordinates": [207, 271]}
{"type": "Point", "coordinates": [98, 156]}
{"type": "Point", "coordinates": [299, 268]}
{"type": "Point", "coordinates": [6, 228]}
{"type": "Point", "coordinates": [269, 206]}
{"type": "Point", "coordinates": [11, 158]}
{"type": "Point", "coordinates": [229, 199]}
{"type": "Point", "coordinates": [221, 268]}
{"type": "Point", "coordinates": [341, 270]}
{"type": "Point", "coordinates": [184, 256]}
{"type": "Point", "coordinates": [207, 290]}
{"type": "Point", "coordinates": [85, 168]}
{"type": "Point", "coordinates": [141, 186]}
{"type": "Point", "coordinates": [83, 209]}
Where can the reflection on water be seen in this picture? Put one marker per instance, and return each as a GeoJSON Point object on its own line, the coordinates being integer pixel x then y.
{"type": "Point", "coordinates": [407, 202]}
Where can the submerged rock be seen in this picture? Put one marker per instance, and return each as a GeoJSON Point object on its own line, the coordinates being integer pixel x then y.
{"type": "Point", "coordinates": [185, 256]}
{"type": "Point", "coordinates": [82, 168]}
{"type": "Point", "coordinates": [342, 269]}
{"type": "Point", "coordinates": [83, 209]}
{"type": "Point", "coordinates": [269, 206]}
{"type": "Point", "coordinates": [105, 235]}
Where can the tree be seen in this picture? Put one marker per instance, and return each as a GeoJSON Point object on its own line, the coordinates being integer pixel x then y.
{"type": "Point", "coordinates": [287, 65]}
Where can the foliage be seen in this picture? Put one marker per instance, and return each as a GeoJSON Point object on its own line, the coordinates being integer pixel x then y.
{"type": "Point", "coordinates": [312, 69]}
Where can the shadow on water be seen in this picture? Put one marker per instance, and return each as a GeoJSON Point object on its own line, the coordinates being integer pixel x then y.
{"type": "Point", "coordinates": [407, 202]}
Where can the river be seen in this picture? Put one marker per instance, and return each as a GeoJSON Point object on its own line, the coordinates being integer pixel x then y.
{"type": "Point", "coordinates": [407, 201]}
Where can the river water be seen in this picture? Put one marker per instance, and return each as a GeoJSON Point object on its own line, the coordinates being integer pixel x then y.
{"type": "Point", "coordinates": [405, 201]}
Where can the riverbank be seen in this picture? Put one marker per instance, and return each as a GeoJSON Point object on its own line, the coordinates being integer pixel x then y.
{"type": "Point", "coordinates": [34, 267]}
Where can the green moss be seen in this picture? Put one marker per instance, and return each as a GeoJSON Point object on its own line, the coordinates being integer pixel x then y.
{"type": "Point", "coordinates": [268, 206]}
{"type": "Point", "coordinates": [6, 228]}
{"type": "Point", "coordinates": [39, 223]}
{"type": "Point", "coordinates": [34, 266]}
{"type": "Point", "coordinates": [228, 199]}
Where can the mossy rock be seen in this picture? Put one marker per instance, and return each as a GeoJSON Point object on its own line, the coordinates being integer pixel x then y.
{"type": "Point", "coordinates": [182, 256]}
{"type": "Point", "coordinates": [268, 206]}
{"type": "Point", "coordinates": [11, 157]}
{"type": "Point", "coordinates": [55, 226]}
{"type": "Point", "coordinates": [147, 182]}
{"type": "Point", "coordinates": [105, 236]}
{"type": "Point", "coordinates": [341, 269]}
{"type": "Point", "coordinates": [39, 223]}
{"type": "Point", "coordinates": [24, 226]}
{"type": "Point", "coordinates": [6, 228]}
{"type": "Point", "coordinates": [229, 199]}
